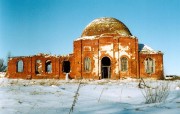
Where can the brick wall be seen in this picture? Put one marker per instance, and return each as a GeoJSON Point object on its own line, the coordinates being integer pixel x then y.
{"type": "Point", "coordinates": [29, 67]}
{"type": "Point", "coordinates": [111, 46]}
{"type": "Point", "coordinates": [158, 60]}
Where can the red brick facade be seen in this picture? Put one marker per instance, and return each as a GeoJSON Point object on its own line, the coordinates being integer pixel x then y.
{"type": "Point", "coordinates": [96, 55]}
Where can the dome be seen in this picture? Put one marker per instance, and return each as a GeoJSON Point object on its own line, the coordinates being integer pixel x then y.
{"type": "Point", "coordinates": [105, 25]}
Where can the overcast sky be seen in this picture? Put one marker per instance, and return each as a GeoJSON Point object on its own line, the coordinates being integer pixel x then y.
{"type": "Point", "coordinates": [28, 27]}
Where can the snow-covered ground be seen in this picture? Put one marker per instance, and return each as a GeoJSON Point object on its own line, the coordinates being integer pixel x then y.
{"type": "Point", "coordinates": [2, 74]}
{"type": "Point", "coordinates": [47, 96]}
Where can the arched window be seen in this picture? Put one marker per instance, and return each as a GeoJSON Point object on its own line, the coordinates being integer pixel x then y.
{"type": "Point", "coordinates": [48, 66]}
{"type": "Point", "coordinates": [149, 66]}
{"type": "Point", "coordinates": [19, 66]}
{"type": "Point", "coordinates": [124, 64]}
{"type": "Point", "coordinates": [87, 64]}
{"type": "Point", "coordinates": [38, 67]}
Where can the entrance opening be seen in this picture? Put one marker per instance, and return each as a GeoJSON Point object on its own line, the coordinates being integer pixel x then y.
{"type": "Point", "coordinates": [38, 67]}
{"type": "Point", "coordinates": [48, 66]}
{"type": "Point", "coordinates": [66, 66]}
{"type": "Point", "coordinates": [106, 67]}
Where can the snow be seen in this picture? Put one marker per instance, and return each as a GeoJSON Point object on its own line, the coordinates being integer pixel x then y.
{"type": "Point", "coordinates": [86, 38]}
{"type": "Point", "coordinates": [146, 49]}
{"type": "Point", "coordinates": [2, 74]}
{"type": "Point", "coordinates": [101, 36]}
{"type": "Point", "coordinates": [50, 96]}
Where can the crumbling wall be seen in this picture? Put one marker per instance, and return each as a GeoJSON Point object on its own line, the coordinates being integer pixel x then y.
{"type": "Point", "coordinates": [112, 46]}
{"type": "Point", "coordinates": [30, 64]}
{"type": "Point", "coordinates": [12, 68]}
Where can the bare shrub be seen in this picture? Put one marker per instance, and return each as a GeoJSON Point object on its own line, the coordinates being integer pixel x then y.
{"type": "Point", "coordinates": [49, 82]}
{"type": "Point", "coordinates": [103, 82]}
{"type": "Point", "coordinates": [53, 82]}
{"type": "Point", "coordinates": [14, 82]}
{"type": "Point", "coordinates": [42, 83]}
{"type": "Point", "coordinates": [156, 92]}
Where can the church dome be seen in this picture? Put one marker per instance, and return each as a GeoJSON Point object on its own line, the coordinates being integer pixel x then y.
{"type": "Point", "coordinates": [106, 25]}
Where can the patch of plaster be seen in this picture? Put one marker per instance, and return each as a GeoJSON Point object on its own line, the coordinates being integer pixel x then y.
{"type": "Point", "coordinates": [123, 51]}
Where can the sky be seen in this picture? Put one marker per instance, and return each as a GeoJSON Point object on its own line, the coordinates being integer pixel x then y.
{"type": "Point", "coordinates": [29, 27]}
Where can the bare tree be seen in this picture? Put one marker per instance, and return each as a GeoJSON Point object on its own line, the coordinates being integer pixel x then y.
{"type": "Point", "coordinates": [8, 56]}
{"type": "Point", "coordinates": [2, 66]}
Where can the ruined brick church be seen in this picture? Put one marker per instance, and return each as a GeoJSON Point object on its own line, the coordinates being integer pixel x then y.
{"type": "Point", "coordinates": [105, 50]}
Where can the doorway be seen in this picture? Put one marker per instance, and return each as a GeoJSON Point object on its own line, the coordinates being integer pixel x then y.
{"type": "Point", "coordinates": [105, 67]}
{"type": "Point", "coordinates": [66, 66]}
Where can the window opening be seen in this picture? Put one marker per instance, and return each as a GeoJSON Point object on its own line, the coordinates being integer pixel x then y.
{"type": "Point", "coordinates": [124, 64]}
{"type": "Point", "coordinates": [149, 65]}
{"type": "Point", "coordinates": [48, 66]}
{"type": "Point", "coordinates": [87, 64]}
{"type": "Point", "coordinates": [38, 67]}
{"type": "Point", "coordinates": [20, 66]}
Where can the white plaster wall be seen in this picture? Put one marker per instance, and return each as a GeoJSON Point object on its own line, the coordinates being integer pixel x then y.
{"type": "Point", "coordinates": [95, 69]}
{"type": "Point", "coordinates": [117, 63]}
{"type": "Point", "coordinates": [106, 47]}
{"type": "Point", "coordinates": [123, 51]}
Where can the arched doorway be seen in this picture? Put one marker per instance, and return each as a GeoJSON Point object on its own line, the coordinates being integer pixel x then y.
{"type": "Point", "coordinates": [105, 67]}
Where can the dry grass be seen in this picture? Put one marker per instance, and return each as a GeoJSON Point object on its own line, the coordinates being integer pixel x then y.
{"type": "Point", "coordinates": [75, 98]}
{"type": "Point", "coordinates": [156, 92]}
